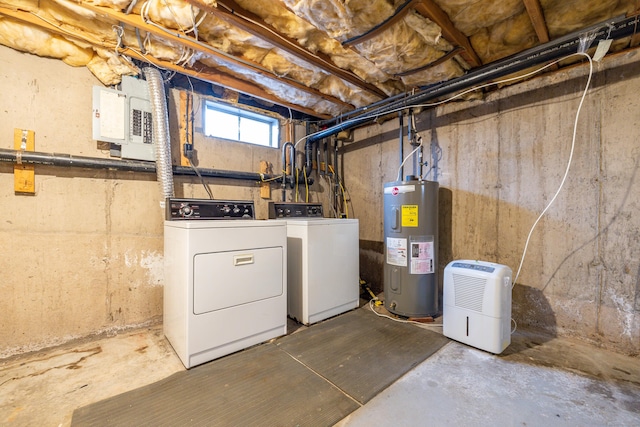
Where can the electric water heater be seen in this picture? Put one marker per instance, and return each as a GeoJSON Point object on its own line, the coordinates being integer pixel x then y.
{"type": "Point", "coordinates": [410, 247]}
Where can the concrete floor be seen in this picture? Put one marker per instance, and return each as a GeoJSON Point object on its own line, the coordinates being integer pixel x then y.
{"type": "Point", "coordinates": [461, 386]}
{"type": "Point", "coordinates": [536, 381]}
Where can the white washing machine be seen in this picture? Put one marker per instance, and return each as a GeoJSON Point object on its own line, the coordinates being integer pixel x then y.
{"type": "Point", "coordinates": [225, 285]}
{"type": "Point", "coordinates": [323, 262]}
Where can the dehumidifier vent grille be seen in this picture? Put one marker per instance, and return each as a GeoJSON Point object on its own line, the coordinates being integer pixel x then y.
{"type": "Point", "coordinates": [469, 291]}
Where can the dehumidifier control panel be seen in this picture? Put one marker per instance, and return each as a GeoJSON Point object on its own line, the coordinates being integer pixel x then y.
{"type": "Point", "coordinates": [474, 266]}
{"type": "Point", "coordinates": [294, 210]}
{"type": "Point", "coordinates": [181, 209]}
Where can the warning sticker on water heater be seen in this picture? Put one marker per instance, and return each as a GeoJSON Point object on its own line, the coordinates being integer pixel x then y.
{"type": "Point", "coordinates": [422, 256]}
{"type": "Point", "coordinates": [397, 251]}
{"type": "Point", "coordinates": [409, 215]}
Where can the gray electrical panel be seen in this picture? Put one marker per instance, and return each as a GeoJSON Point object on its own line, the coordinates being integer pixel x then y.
{"type": "Point", "coordinates": [123, 118]}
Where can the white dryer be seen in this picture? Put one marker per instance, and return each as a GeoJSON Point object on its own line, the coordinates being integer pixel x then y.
{"type": "Point", "coordinates": [225, 285]}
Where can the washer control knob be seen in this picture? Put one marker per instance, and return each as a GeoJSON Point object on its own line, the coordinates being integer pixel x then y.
{"type": "Point", "coordinates": [185, 210]}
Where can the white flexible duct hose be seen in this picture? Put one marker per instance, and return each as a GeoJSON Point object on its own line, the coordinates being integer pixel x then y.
{"type": "Point", "coordinates": [161, 136]}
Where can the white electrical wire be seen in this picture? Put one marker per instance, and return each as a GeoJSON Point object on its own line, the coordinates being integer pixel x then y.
{"type": "Point", "coordinates": [566, 172]}
{"type": "Point", "coordinates": [119, 33]}
{"type": "Point", "coordinates": [177, 21]}
{"type": "Point", "coordinates": [195, 24]}
{"type": "Point", "coordinates": [409, 155]}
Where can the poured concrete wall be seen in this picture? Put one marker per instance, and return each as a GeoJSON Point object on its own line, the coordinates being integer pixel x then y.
{"type": "Point", "coordinates": [503, 159]}
{"type": "Point", "coordinates": [84, 255]}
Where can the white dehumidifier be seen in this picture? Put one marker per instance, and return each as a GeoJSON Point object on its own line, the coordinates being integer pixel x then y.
{"type": "Point", "coordinates": [477, 304]}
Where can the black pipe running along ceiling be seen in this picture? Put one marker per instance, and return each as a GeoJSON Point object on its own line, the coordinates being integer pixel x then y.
{"type": "Point", "coordinates": [613, 29]}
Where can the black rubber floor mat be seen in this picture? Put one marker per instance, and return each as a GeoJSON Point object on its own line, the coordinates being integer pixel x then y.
{"type": "Point", "coordinates": [360, 352]}
{"type": "Point", "coordinates": [261, 386]}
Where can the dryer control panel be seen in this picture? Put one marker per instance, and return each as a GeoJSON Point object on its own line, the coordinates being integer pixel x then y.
{"type": "Point", "coordinates": [181, 209]}
{"type": "Point", "coordinates": [294, 210]}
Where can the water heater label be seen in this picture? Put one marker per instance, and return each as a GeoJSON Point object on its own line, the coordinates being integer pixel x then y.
{"type": "Point", "coordinates": [422, 257]}
{"type": "Point", "coordinates": [397, 251]}
{"type": "Point", "coordinates": [409, 215]}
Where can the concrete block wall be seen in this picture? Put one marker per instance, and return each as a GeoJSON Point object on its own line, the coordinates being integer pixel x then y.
{"type": "Point", "coordinates": [503, 159]}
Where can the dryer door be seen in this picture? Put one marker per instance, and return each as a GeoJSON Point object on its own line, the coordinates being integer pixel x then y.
{"type": "Point", "coordinates": [228, 279]}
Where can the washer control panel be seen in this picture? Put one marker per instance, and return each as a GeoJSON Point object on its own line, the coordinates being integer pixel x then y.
{"type": "Point", "coordinates": [295, 210]}
{"type": "Point", "coordinates": [181, 209]}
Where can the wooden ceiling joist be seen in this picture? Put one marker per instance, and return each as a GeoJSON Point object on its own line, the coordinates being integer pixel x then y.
{"type": "Point", "coordinates": [199, 71]}
{"type": "Point", "coordinates": [429, 9]}
{"type": "Point", "coordinates": [230, 12]}
{"type": "Point", "coordinates": [136, 21]}
{"type": "Point", "coordinates": [536, 15]}
{"type": "Point", "coordinates": [534, 9]}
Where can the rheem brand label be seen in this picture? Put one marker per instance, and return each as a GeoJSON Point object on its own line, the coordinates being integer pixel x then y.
{"type": "Point", "coordinates": [399, 189]}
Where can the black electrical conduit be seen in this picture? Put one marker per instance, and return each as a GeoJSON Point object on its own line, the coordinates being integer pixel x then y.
{"type": "Point", "coordinates": [615, 28]}
{"type": "Point", "coordinates": [365, 36]}
{"type": "Point", "coordinates": [49, 159]}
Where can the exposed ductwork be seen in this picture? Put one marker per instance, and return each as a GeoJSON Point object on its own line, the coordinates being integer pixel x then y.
{"type": "Point", "coordinates": [161, 135]}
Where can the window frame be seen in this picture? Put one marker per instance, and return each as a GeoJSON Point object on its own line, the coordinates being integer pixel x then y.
{"type": "Point", "coordinates": [242, 113]}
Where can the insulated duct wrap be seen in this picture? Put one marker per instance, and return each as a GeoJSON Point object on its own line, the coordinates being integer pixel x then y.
{"type": "Point", "coordinates": [161, 136]}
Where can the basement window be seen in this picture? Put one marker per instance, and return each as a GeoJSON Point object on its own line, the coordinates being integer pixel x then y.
{"type": "Point", "coordinates": [235, 124]}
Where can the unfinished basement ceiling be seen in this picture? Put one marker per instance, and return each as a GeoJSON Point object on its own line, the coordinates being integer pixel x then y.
{"type": "Point", "coordinates": [319, 57]}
